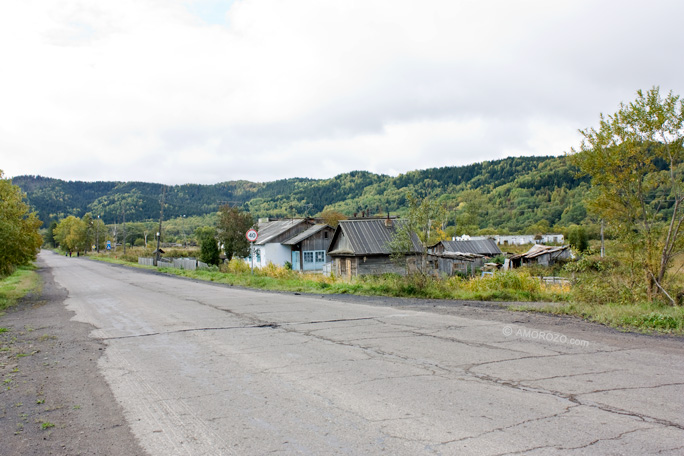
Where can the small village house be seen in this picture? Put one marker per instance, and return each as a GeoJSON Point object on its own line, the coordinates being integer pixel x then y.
{"type": "Point", "coordinates": [309, 248]}
{"type": "Point", "coordinates": [269, 247]}
{"type": "Point", "coordinates": [361, 247]}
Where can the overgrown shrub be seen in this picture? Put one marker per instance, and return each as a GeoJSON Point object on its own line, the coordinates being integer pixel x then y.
{"type": "Point", "coordinates": [519, 280]}
{"type": "Point", "coordinates": [235, 266]}
{"type": "Point", "coordinates": [276, 272]}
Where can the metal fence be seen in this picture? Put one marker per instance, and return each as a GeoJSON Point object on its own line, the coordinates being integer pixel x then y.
{"type": "Point", "coordinates": [189, 264]}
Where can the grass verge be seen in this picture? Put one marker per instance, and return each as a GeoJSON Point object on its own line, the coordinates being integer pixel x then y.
{"type": "Point", "coordinates": [645, 317]}
{"type": "Point", "coordinates": [16, 286]}
{"type": "Point", "coordinates": [516, 286]}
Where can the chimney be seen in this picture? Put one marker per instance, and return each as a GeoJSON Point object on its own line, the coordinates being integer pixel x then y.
{"type": "Point", "coordinates": [388, 221]}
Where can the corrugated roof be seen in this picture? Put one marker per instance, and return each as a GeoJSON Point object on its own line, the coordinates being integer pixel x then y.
{"type": "Point", "coordinates": [269, 230]}
{"type": "Point", "coordinates": [482, 247]}
{"type": "Point", "coordinates": [306, 234]}
{"type": "Point", "coordinates": [543, 251]}
{"type": "Point", "coordinates": [369, 237]}
{"type": "Point", "coordinates": [458, 255]}
{"type": "Point", "coordinates": [538, 250]}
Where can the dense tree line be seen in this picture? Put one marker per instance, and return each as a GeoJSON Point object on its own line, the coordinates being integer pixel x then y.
{"type": "Point", "coordinates": [507, 195]}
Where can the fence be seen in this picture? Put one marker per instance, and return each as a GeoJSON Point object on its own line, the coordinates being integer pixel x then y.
{"type": "Point", "coordinates": [555, 280]}
{"type": "Point", "coordinates": [189, 264]}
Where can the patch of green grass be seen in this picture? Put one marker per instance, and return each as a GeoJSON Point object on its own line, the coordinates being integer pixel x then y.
{"type": "Point", "coordinates": [517, 286]}
{"type": "Point", "coordinates": [46, 425]}
{"type": "Point", "coordinates": [649, 317]}
{"type": "Point", "coordinates": [14, 287]}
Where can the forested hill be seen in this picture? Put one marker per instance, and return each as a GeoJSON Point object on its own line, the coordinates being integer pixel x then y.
{"type": "Point", "coordinates": [512, 193]}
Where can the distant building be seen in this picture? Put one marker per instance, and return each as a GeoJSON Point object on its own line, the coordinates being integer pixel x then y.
{"type": "Point", "coordinates": [516, 239]}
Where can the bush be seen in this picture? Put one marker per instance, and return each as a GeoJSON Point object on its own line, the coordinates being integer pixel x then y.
{"type": "Point", "coordinates": [276, 272]}
{"type": "Point", "coordinates": [235, 266]}
{"type": "Point", "coordinates": [209, 251]}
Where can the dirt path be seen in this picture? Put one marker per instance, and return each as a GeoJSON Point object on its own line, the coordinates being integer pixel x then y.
{"type": "Point", "coordinates": [53, 401]}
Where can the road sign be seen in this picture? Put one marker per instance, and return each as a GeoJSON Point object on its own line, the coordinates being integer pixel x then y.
{"type": "Point", "coordinates": [251, 235]}
{"type": "Point", "coordinates": [109, 245]}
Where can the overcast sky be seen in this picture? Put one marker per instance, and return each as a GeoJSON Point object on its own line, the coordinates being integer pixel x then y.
{"type": "Point", "coordinates": [206, 91]}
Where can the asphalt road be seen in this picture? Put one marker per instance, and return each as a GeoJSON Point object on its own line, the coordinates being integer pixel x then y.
{"type": "Point", "coordinates": [203, 369]}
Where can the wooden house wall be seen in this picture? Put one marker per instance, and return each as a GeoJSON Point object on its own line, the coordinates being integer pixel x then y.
{"type": "Point", "coordinates": [345, 266]}
{"type": "Point", "coordinates": [451, 266]}
{"type": "Point", "coordinates": [318, 241]}
{"type": "Point", "coordinates": [369, 265]}
{"type": "Point", "coordinates": [376, 265]}
{"type": "Point", "coordinates": [289, 234]}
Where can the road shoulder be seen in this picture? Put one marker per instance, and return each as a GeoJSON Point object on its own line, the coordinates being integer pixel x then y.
{"type": "Point", "coordinates": [53, 399]}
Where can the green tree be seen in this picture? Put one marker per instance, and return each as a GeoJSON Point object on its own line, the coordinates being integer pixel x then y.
{"type": "Point", "coordinates": [19, 238]}
{"type": "Point", "coordinates": [50, 235]}
{"type": "Point", "coordinates": [636, 163]}
{"type": "Point", "coordinates": [332, 218]}
{"type": "Point", "coordinates": [209, 251]}
{"type": "Point", "coordinates": [232, 226]}
{"type": "Point", "coordinates": [70, 233]}
{"type": "Point", "coordinates": [420, 228]}
{"type": "Point", "coordinates": [577, 237]}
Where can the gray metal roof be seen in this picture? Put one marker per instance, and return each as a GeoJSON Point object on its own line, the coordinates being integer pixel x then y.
{"type": "Point", "coordinates": [368, 237]}
{"type": "Point", "coordinates": [539, 250]}
{"type": "Point", "coordinates": [458, 255]}
{"type": "Point", "coordinates": [306, 234]}
{"type": "Point", "coordinates": [269, 230]}
{"type": "Point", "coordinates": [482, 247]}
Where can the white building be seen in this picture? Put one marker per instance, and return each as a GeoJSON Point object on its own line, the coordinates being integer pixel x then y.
{"type": "Point", "coordinates": [268, 247]}
{"type": "Point", "coordinates": [516, 239]}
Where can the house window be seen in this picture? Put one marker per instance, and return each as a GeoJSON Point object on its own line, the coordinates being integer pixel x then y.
{"type": "Point", "coordinates": [320, 256]}
{"type": "Point", "coordinates": [258, 255]}
{"type": "Point", "coordinates": [308, 257]}
{"type": "Point", "coordinates": [325, 235]}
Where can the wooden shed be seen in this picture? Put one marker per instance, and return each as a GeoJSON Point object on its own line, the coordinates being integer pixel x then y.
{"type": "Point", "coordinates": [545, 255]}
{"type": "Point", "coordinates": [452, 263]}
{"type": "Point", "coordinates": [485, 247]}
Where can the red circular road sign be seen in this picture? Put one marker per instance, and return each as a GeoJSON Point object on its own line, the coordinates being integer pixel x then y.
{"type": "Point", "coordinates": [252, 235]}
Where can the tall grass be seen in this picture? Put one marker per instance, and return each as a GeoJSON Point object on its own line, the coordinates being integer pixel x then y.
{"type": "Point", "coordinates": [601, 292]}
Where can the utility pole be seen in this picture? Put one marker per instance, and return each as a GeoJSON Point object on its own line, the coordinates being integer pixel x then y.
{"type": "Point", "coordinates": [603, 248]}
{"type": "Point", "coordinates": [161, 217]}
{"type": "Point", "coordinates": [123, 208]}
{"type": "Point", "coordinates": [97, 234]}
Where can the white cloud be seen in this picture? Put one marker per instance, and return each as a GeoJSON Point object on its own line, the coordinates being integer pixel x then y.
{"type": "Point", "coordinates": [209, 90]}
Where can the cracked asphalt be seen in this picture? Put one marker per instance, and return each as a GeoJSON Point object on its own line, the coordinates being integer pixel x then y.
{"type": "Point", "coordinates": [203, 369]}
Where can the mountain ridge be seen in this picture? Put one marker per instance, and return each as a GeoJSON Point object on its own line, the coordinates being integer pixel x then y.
{"type": "Point", "coordinates": [484, 192]}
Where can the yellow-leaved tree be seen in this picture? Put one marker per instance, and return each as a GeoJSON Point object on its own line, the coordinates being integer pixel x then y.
{"type": "Point", "coordinates": [19, 237]}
